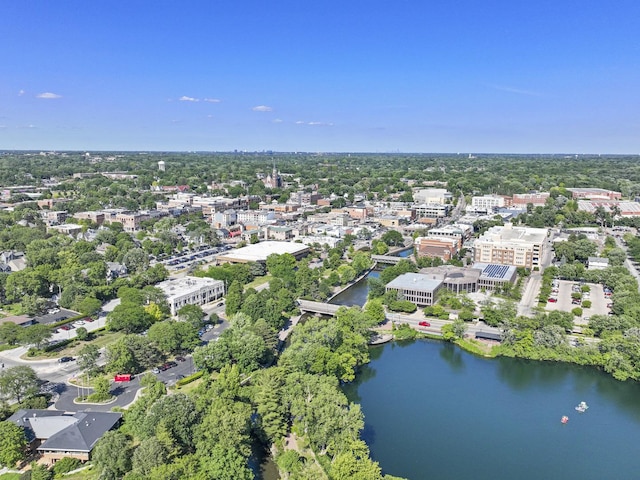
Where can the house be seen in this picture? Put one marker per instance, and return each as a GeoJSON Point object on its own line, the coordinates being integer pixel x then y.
{"type": "Point", "coordinates": [597, 263]}
{"type": "Point", "coordinates": [20, 320]}
{"type": "Point", "coordinates": [56, 434]}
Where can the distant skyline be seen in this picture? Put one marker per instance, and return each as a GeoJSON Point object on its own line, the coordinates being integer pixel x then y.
{"type": "Point", "coordinates": [556, 76]}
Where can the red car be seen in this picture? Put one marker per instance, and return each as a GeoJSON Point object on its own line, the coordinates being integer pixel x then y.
{"type": "Point", "coordinates": [553, 300]}
{"type": "Point", "coordinates": [424, 324]}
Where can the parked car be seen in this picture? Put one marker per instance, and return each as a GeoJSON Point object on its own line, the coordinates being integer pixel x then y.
{"type": "Point", "coordinates": [65, 359]}
{"type": "Point", "coordinates": [553, 300]}
{"type": "Point", "coordinates": [424, 324]}
{"type": "Point", "coordinates": [65, 327]}
{"type": "Point", "coordinates": [181, 359]}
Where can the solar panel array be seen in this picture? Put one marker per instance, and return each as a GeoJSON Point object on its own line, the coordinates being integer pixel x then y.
{"type": "Point", "coordinates": [495, 271]}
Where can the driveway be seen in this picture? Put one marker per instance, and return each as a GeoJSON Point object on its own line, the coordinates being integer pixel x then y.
{"type": "Point", "coordinates": [125, 395]}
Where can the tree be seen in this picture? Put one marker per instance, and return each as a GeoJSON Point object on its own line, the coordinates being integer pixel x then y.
{"type": "Point", "coordinates": [89, 306]}
{"type": "Point", "coordinates": [65, 465]}
{"type": "Point", "coordinates": [13, 443]}
{"type": "Point", "coordinates": [129, 318]}
{"type": "Point", "coordinates": [225, 463]}
{"type": "Point", "coordinates": [192, 314]}
{"type": "Point", "coordinates": [393, 238]}
{"type": "Point", "coordinates": [10, 333]}
{"type": "Point", "coordinates": [136, 260]}
{"type": "Point", "coordinates": [100, 390]}
{"type": "Point", "coordinates": [36, 335]}
{"type": "Point", "coordinates": [234, 298]}
{"type": "Point", "coordinates": [112, 455]}
{"type": "Point", "coordinates": [173, 337]}
{"type": "Point", "coordinates": [149, 454]}
{"type": "Point", "coordinates": [40, 472]}
{"type": "Point", "coordinates": [87, 358]}
{"type": "Point", "coordinates": [82, 333]}
{"type": "Point", "coordinates": [18, 383]}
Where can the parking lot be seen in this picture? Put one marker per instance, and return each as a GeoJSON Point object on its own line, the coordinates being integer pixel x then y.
{"type": "Point", "coordinates": [564, 303]}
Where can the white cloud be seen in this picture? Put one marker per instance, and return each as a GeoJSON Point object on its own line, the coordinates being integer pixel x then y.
{"type": "Point", "coordinates": [262, 108]}
{"type": "Point", "coordinates": [21, 93]}
{"type": "Point", "coordinates": [517, 91]}
{"type": "Point", "coordinates": [276, 120]}
{"type": "Point", "coordinates": [184, 98]}
{"type": "Point", "coordinates": [315, 124]}
{"type": "Point", "coordinates": [48, 95]}
{"type": "Point", "coordinates": [212, 100]}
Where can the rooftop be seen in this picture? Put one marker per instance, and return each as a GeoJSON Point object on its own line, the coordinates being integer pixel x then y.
{"type": "Point", "coordinates": [180, 286]}
{"type": "Point", "coordinates": [416, 281]}
{"type": "Point", "coordinates": [258, 252]}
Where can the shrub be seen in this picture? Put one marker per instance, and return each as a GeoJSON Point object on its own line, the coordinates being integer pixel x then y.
{"type": "Point", "coordinates": [577, 312]}
{"type": "Point", "coordinates": [586, 304]}
{"type": "Point", "coordinates": [189, 379]}
{"type": "Point", "coordinates": [66, 465]}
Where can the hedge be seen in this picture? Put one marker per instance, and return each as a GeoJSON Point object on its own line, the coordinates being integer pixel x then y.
{"type": "Point", "coordinates": [189, 379]}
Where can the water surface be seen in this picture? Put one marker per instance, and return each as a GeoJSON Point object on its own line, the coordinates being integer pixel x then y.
{"type": "Point", "coordinates": [433, 411]}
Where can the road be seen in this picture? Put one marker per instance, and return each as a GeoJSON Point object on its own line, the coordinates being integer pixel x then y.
{"type": "Point", "coordinates": [627, 263]}
{"type": "Point", "coordinates": [529, 300]}
{"type": "Point", "coordinates": [436, 324]}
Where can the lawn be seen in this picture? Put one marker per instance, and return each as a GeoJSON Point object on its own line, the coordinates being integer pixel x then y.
{"type": "Point", "coordinates": [258, 281]}
{"type": "Point", "coordinates": [102, 339]}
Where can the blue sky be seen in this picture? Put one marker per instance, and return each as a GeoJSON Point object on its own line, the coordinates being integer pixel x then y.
{"type": "Point", "coordinates": [365, 76]}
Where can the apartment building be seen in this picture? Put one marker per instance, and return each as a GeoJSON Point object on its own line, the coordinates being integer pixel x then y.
{"type": "Point", "coordinates": [509, 245]}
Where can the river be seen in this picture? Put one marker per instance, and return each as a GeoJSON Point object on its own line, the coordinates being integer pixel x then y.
{"type": "Point", "coordinates": [433, 411]}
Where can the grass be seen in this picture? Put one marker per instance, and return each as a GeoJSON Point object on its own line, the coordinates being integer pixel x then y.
{"type": "Point", "coordinates": [10, 476]}
{"type": "Point", "coordinates": [259, 281]}
{"type": "Point", "coordinates": [102, 339]}
{"type": "Point", "coordinates": [4, 347]}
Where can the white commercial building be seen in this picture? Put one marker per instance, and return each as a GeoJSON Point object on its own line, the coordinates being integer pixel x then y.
{"type": "Point", "coordinates": [258, 252]}
{"type": "Point", "coordinates": [509, 245]}
{"type": "Point", "coordinates": [432, 195]}
{"type": "Point", "coordinates": [487, 203]}
{"type": "Point", "coordinates": [191, 291]}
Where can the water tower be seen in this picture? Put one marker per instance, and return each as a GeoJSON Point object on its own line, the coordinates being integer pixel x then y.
{"type": "Point", "coordinates": [161, 166]}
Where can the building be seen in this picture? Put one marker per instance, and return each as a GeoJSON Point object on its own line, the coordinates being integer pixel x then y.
{"type": "Point", "coordinates": [274, 180]}
{"type": "Point", "coordinates": [436, 247]}
{"type": "Point", "coordinates": [455, 279]}
{"type": "Point", "coordinates": [417, 288]}
{"type": "Point", "coordinates": [460, 232]}
{"type": "Point", "coordinates": [521, 200]}
{"type": "Point", "coordinates": [280, 233]}
{"type": "Point", "coordinates": [191, 291]}
{"type": "Point", "coordinates": [487, 203]}
{"type": "Point", "coordinates": [71, 229]}
{"type": "Point", "coordinates": [594, 193]}
{"type": "Point", "coordinates": [131, 222]}
{"type": "Point", "coordinates": [617, 208]}
{"type": "Point", "coordinates": [432, 195]}
{"type": "Point", "coordinates": [509, 245]}
{"type": "Point", "coordinates": [56, 434]}
{"type": "Point", "coordinates": [255, 217]}
{"type": "Point", "coordinates": [95, 217]}
{"type": "Point", "coordinates": [495, 276]}
{"type": "Point", "coordinates": [431, 210]}
{"type": "Point", "coordinates": [597, 263]}
{"type": "Point", "coordinates": [259, 252]}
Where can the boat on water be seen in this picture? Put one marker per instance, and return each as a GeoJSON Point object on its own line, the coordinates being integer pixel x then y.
{"type": "Point", "coordinates": [564, 419]}
{"type": "Point", "coordinates": [582, 407]}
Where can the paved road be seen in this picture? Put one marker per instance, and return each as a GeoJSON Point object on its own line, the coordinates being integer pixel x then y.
{"type": "Point", "coordinates": [125, 394]}
{"type": "Point", "coordinates": [436, 324]}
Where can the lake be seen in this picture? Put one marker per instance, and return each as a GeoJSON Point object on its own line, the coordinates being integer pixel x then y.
{"type": "Point", "coordinates": [433, 411]}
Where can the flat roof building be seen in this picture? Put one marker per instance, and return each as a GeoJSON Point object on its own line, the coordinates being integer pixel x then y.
{"type": "Point", "coordinates": [494, 276]}
{"type": "Point", "coordinates": [258, 252]}
{"type": "Point", "coordinates": [417, 288]}
{"type": "Point", "coordinates": [191, 291]}
{"type": "Point", "coordinates": [509, 245]}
